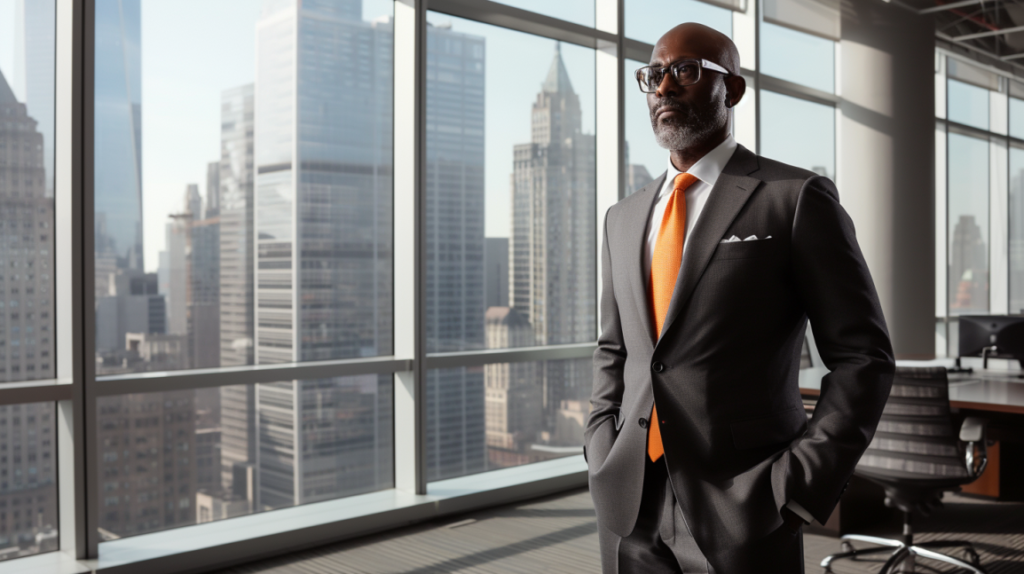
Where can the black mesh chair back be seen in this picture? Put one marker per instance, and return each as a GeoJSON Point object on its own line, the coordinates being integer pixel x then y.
{"type": "Point", "coordinates": [915, 440]}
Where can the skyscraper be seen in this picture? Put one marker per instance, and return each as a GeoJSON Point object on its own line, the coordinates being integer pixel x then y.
{"type": "Point", "coordinates": [455, 285]}
{"type": "Point", "coordinates": [238, 402]}
{"type": "Point", "coordinates": [553, 236]}
{"type": "Point", "coordinates": [118, 133]}
{"type": "Point", "coordinates": [147, 462]}
{"type": "Point", "coordinates": [26, 247]}
{"type": "Point", "coordinates": [323, 204]}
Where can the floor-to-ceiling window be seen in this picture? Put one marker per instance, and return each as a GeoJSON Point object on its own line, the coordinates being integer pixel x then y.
{"type": "Point", "coordinates": [979, 223]}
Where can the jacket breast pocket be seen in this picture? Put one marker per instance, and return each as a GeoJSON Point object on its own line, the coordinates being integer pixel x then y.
{"type": "Point", "coordinates": [780, 427]}
{"type": "Point", "coordinates": [744, 249]}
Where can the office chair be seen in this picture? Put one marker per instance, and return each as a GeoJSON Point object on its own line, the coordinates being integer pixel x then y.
{"type": "Point", "coordinates": [916, 457]}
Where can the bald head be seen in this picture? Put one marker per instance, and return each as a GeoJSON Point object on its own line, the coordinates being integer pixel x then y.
{"type": "Point", "coordinates": [692, 118]}
{"type": "Point", "coordinates": [694, 40]}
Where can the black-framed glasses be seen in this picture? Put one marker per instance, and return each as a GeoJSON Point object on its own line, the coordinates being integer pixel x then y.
{"type": "Point", "coordinates": [684, 72]}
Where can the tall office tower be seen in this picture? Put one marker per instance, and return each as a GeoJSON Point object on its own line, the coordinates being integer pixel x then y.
{"type": "Point", "coordinates": [26, 247]}
{"type": "Point", "coordinates": [179, 240]}
{"type": "Point", "coordinates": [147, 465]}
{"type": "Point", "coordinates": [118, 132]}
{"type": "Point", "coordinates": [968, 269]}
{"type": "Point", "coordinates": [455, 286]}
{"type": "Point", "coordinates": [553, 235]}
{"type": "Point", "coordinates": [203, 304]}
{"type": "Point", "coordinates": [513, 390]}
{"type": "Point", "coordinates": [39, 42]}
{"type": "Point", "coordinates": [323, 223]}
{"type": "Point", "coordinates": [212, 189]}
{"type": "Point", "coordinates": [238, 402]}
{"type": "Point", "coordinates": [496, 272]}
{"type": "Point", "coordinates": [236, 226]}
{"type": "Point", "coordinates": [28, 501]}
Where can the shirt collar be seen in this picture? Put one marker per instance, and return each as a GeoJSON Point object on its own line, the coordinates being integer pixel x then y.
{"type": "Point", "coordinates": [708, 168]}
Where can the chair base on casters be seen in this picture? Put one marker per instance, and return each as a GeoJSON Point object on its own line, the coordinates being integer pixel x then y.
{"type": "Point", "coordinates": [902, 553]}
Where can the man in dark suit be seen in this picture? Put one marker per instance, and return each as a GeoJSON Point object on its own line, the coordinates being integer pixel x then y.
{"type": "Point", "coordinates": [701, 456]}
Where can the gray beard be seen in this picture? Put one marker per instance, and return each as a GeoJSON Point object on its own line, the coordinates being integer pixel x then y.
{"type": "Point", "coordinates": [695, 128]}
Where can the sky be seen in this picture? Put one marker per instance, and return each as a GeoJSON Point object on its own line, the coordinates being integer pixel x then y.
{"type": "Point", "coordinates": [7, 45]}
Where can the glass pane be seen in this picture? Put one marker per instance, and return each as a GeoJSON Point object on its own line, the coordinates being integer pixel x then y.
{"type": "Point", "coordinates": [243, 201]}
{"type": "Point", "coordinates": [510, 188]}
{"type": "Point", "coordinates": [798, 57]}
{"type": "Point", "coordinates": [812, 146]}
{"type": "Point", "coordinates": [968, 104]}
{"type": "Point", "coordinates": [578, 11]}
{"type": "Point", "coordinates": [968, 224]}
{"type": "Point", "coordinates": [645, 159]}
{"type": "Point", "coordinates": [505, 414]}
{"type": "Point", "coordinates": [177, 458]}
{"type": "Point", "coordinates": [26, 191]}
{"type": "Point", "coordinates": [1016, 230]}
{"type": "Point", "coordinates": [647, 20]}
{"type": "Point", "coordinates": [28, 480]}
{"type": "Point", "coordinates": [1017, 118]}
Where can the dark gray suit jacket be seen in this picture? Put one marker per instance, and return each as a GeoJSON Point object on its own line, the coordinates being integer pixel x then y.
{"type": "Point", "coordinates": [737, 441]}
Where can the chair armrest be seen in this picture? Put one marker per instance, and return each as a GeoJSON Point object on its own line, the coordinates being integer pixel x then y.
{"type": "Point", "coordinates": [973, 429]}
{"type": "Point", "coordinates": [976, 454]}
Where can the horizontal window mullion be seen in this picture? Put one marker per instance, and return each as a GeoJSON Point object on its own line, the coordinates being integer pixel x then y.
{"type": "Point", "coordinates": [521, 20]}
{"type": "Point", "coordinates": [209, 378]}
{"type": "Point", "coordinates": [787, 88]}
{"type": "Point", "coordinates": [637, 50]}
{"type": "Point", "coordinates": [515, 355]}
{"type": "Point", "coordinates": [51, 390]}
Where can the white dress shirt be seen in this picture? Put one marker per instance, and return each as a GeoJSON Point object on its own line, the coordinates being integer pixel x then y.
{"type": "Point", "coordinates": [706, 170]}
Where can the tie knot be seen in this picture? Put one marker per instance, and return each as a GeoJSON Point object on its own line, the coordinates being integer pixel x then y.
{"type": "Point", "coordinates": [683, 181]}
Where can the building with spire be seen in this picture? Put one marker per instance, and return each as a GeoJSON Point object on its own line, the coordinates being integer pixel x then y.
{"type": "Point", "coordinates": [553, 236]}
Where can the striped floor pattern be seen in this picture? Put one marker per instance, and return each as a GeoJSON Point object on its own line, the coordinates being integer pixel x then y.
{"type": "Point", "coordinates": [558, 535]}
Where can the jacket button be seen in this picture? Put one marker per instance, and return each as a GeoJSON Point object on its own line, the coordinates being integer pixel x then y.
{"type": "Point", "coordinates": [658, 367]}
{"type": "Point", "coordinates": [643, 423]}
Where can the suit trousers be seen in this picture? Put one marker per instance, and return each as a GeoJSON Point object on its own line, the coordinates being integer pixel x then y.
{"type": "Point", "coordinates": [661, 542]}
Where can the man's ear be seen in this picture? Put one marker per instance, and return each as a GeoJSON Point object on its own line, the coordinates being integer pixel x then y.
{"type": "Point", "coordinates": [735, 88]}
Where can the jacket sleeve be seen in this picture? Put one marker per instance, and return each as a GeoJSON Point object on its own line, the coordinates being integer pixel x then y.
{"type": "Point", "coordinates": [610, 356]}
{"type": "Point", "coordinates": [839, 297]}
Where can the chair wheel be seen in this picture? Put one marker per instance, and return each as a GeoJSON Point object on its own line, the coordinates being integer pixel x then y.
{"type": "Point", "coordinates": [847, 547]}
{"type": "Point", "coordinates": [972, 556]}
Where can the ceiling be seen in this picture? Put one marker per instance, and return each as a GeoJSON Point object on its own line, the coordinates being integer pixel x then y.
{"type": "Point", "coordinates": [993, 29]}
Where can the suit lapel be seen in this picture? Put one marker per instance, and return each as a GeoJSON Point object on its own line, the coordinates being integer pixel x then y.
{"type": "Point", "coordinates": [636, 237]}
{"type": "Point", "coordinates": [730, 193]}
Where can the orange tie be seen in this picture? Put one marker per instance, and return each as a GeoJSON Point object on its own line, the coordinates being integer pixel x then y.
{"type": "Point", "coordinates": [665, 262]}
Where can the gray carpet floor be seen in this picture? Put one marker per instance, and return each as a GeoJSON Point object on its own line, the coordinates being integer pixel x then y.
{"type": "Point", "coordinates": [558, 535]}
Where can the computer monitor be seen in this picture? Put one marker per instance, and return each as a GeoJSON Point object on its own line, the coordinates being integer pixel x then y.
{"type": "Point", "coordinates": [992, 336]}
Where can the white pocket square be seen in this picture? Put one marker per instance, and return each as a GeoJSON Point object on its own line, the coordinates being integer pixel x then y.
{"type": "Point", "coordinates": [734, 238]}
